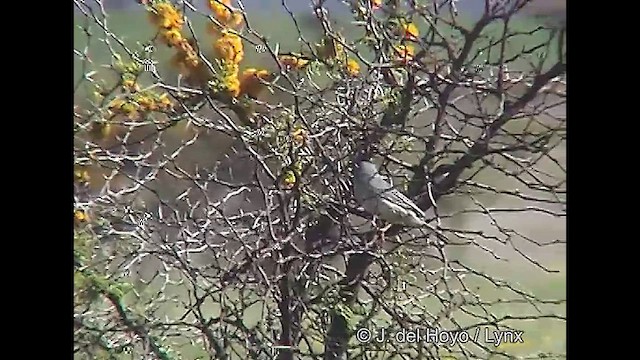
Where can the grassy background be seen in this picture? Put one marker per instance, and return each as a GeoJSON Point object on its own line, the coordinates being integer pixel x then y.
{"type": "Point", "coordinates": [540, 335]}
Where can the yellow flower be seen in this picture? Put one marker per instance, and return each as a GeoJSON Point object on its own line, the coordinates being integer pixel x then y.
{"type": "Point", "coordinates": [116, 103]}
{"type": "Point", "coordinates": [172, 37]}
{"type": "Point", "coordinates": [81, 176]}
{"type": "Point", "coordinates": [145, 102]}
{"type": "Point", "coordinates": [189, 53]}
{"type": "Point", "coordinates": [186, 58]}
{"type": "Point", "coordinates": [129, 106]}
{"type": "Point", "coordinates": [221, 9]}
{"type": "Point", "coordinates": [376, 4]}
{"type": "Point", "coordinates": [251, 82]}
{"type": "Point", "coordinates": [299, 136]}
{"type": "Point", "coordinates": [80, 216]}
{"type": "Point", "coordinates": [289, 179]}
{"type": "Point", "coordinates": [164, 100]}
{"type": "Point", "coordinates": [164, 15]}
{"type": "Point", "coordinates": [131, 85]}
{"type": "Point", "coordinates": [230, 78]}
{"type": "Point", "coordinates": [131, 109]}
{"type": "Point", "coordinates": [404, 53]}
{"type": "Point", "coordinates": [184, 46]}
{"type": "Point", "coordinates": [226, 20]}
{"type": "Point", "coordinates": [232, 84]}
{"type": "Point", "coordinates": [294, 61]}
{"type": "Point", "coordinates": [353, 68]}
{"type": "Point", "coordinates": [191, 59]}
{"type": "Point", "coordinates": [229, 47]}
{"type": "Point", "coordinates": [410, 31]}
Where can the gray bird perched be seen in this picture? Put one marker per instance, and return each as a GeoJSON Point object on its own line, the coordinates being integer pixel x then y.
{"type": "Point", "coordinates": [378, 197]}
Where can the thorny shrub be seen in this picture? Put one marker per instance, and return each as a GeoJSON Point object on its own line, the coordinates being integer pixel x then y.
{"type": "Point", "coordinates": [214, 211]}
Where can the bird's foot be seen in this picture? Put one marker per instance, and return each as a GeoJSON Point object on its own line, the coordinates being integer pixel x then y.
{"type": "Point", "coordinates": [380, 235]}
{"type": "Point", "coordinates": [374, 222]}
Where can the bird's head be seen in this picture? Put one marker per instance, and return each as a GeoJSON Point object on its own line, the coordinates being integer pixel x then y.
{"type": "Point", "coordinates": [364, 168]}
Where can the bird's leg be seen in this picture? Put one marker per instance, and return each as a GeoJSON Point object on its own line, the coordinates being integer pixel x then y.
{"type": "Point", "coordinates": [374, 222]}
{"type": "Point", "coordinates": [380, 234]}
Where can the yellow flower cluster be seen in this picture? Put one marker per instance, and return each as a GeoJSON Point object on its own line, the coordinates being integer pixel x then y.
{"type": "Point", "coordinates": [165, 16]}
{"type": "Point", "coordinates": [130, 85]}
{"type": "Point", "coordinates": [404, 53]}
{"type": "Point", "coordinates": [229, 47]}
{"type": "Point", "coordinates": [291, 176]}
{"type": "Point", "coordinates": [229, 50]}
{"type": "Point", "coordinates": [294, 61]}
{"type": "Point", "coordinates": [289, 179]}
{"type": "Point", "coordinates": [139, 103]}
{"type": "Point", "coordinates": [230, 78]}
{"type": "Point", "coordinates": [353, 68]}
{"type": "Point", "coordinates": [410, 31]}
{"type": "Point", "coordinates": [332, 51]}
{"type": "Point", "coordinates": [299, 136]}
{"type": "Point", "coordinates": [251, 82]}
{"type": "Point", "coordinates": [81, 175]}
{"type": "Point", "coordinates": [329, 50]}
{"type": "Point", "coordinates": [225, 14]}
{"type": "Point", "coordinates": [80, 216]}
{"type": "Point", "coordinates": [170, 21]}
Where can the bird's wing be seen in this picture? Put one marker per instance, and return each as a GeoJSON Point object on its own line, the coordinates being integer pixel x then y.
{"type": "Point", "coordinates": [384, 188]}
{"type": "Point", "coordinates": [402, 200]}
{"type": "Point", "coordinates": [378, 182]}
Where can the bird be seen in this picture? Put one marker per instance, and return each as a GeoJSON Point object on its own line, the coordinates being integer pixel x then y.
{"type": "Point", "coordinates": [378, 197]}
